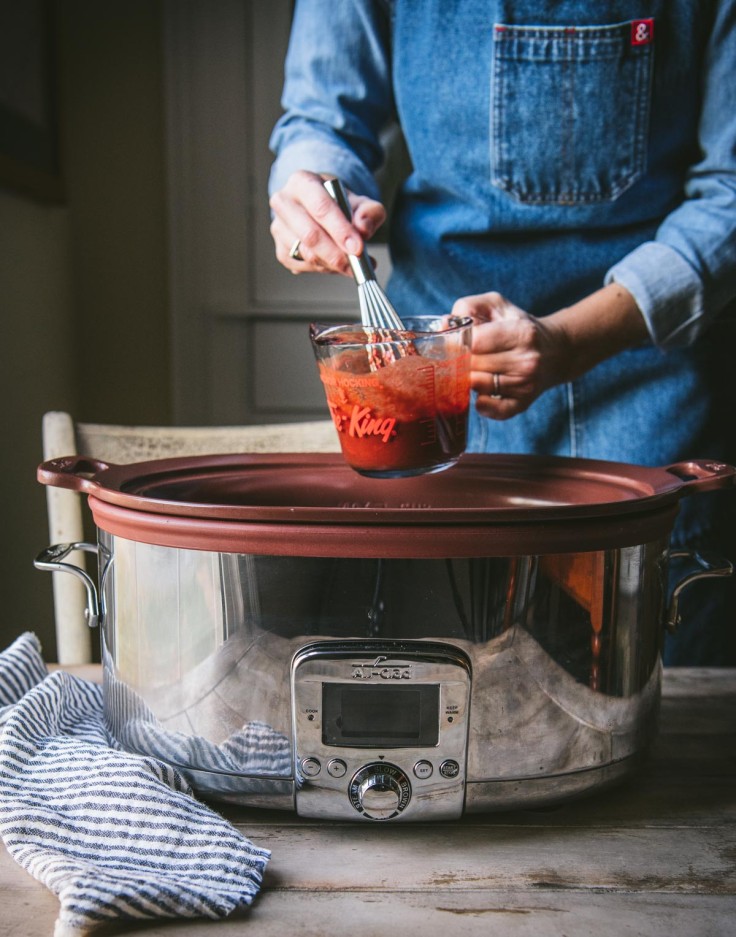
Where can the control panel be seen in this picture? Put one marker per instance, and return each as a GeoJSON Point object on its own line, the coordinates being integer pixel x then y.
{"type": "Point", "coordinates": [380, 729]}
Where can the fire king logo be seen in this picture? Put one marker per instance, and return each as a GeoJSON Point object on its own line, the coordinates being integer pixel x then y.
{"type": "Point", "coordinates": [362, 423]}
{"type": "Point", "coordinates": [382, 669]}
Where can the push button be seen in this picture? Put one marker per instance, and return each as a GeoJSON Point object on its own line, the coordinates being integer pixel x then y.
{"type": "Point", "coordinates": [423, 770]}
{"type": "Point", "coordinates": [336, 768]}
{"type": "Point", "coordinates": [449, 768]}
{"type": "Point", "coordinates": [311, 767]}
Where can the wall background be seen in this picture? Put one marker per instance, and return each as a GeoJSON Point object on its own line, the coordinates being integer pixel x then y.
{"type": "Point", "coordinates": [83, 280]}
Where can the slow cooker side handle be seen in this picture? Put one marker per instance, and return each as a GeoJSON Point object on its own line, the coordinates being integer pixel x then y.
{"type": "Point", "coordinates": [76, 472]}
{"type": "Point", "coordinates": [709, 566]}
{"type": "Point", "coordinates": [51, 559]}
{"type": "Point", "coordinates": [702, 475]}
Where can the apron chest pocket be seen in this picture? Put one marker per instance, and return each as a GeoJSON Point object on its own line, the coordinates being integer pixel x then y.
{"type": "Point", "coordinates": [569, 111]}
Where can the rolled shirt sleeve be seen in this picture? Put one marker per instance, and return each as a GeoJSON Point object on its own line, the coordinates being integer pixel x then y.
{"type": "Point", "coordinates": [337, 93]}
{"type": "Point", "coordinates": [687, 275]}
{"type": "Point", "coordinates": [320, 154]}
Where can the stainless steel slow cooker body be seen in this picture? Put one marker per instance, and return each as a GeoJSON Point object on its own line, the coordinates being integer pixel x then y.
{"type": "Point", "coordinates": [400, 658]}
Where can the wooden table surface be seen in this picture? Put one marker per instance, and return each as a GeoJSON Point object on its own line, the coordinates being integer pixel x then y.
{"type": "Point", "coordinates": [654, 857]}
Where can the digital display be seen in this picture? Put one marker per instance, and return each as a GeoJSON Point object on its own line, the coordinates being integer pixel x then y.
{"type": "Point", "coordinates": [377, 716]}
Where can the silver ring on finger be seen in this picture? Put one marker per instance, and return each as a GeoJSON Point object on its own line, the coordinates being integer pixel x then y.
{"type": "Point", "coordinates": [294, 252]}
{"type": "Point", "coordinates": [496, 386]}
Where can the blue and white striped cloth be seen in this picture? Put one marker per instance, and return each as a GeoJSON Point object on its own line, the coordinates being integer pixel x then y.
{"type": "Point", "coordinates": [113, 835]}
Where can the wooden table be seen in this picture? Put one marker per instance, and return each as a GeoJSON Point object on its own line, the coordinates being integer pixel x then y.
{"type": "Point", "coordinates": [654, 857]}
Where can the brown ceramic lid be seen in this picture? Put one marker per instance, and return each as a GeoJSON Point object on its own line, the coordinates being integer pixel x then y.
{"type": "Point", "coordinates": [314, 504]}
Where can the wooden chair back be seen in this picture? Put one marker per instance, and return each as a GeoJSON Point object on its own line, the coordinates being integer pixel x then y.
{"type": "Point", "coordinates": [63, 436]}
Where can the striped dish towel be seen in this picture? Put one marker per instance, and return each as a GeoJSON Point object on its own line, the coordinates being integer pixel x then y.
{"type": "Point", "coordinates": [113, 835]}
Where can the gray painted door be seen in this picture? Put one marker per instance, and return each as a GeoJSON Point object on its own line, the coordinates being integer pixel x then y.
{"type": "Point", "coordinates": [239, 323]}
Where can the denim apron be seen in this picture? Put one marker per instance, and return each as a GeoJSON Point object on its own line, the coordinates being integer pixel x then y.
{"type": "Point", "coordinates": [538, 163]}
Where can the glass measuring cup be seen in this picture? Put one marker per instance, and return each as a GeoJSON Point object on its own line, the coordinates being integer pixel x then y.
{"type": "Point", "coordinates": [399, 399]}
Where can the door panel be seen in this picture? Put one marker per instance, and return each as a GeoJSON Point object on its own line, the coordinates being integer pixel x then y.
{"type": "Point", "coordinates": [239, 321]}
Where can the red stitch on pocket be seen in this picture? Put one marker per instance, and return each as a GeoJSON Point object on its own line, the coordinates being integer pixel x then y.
{"type": "Point", "coordinates": [642, 32]}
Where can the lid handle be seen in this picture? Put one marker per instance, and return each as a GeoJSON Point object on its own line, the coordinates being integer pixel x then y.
{"type": "Point", "coordinates": [74, 472]}
{"type": "Point", "coordinates": [703, 475]}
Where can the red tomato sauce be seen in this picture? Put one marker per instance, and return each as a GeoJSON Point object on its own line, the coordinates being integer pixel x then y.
{"type": "Point", "coordinates": [408, 415]}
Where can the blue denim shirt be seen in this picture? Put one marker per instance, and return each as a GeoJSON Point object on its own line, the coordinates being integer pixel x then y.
{"type": "Point", "coordinates": [552, 149]}
{"type": "Point", "coordinates": [556, 145]}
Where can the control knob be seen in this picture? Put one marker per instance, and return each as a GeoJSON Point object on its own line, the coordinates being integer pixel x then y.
{"type": "Point", "coordinates": [380, 791]}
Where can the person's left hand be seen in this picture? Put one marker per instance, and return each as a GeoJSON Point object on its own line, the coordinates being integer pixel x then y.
{"type": "Point", "coordinates": [515, 356]}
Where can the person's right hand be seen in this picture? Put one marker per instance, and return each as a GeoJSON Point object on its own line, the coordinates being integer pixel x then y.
{"type": "Point", "coordinates": [308, 223]}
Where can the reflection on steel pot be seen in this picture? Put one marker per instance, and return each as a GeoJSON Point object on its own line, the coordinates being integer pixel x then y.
{"type": "Point", "coordinates": [291, 634]}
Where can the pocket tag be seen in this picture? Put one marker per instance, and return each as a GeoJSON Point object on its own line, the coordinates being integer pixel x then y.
{"type": "Point", "coordinates": [642, 32]}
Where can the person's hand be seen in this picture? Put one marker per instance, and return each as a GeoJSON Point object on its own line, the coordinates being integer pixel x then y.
{"type": "Point", "coordinates": [515, 356]}
{"type": "Point", "coordinates": [309, 230]}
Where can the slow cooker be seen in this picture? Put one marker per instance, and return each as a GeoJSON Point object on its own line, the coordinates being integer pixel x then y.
{"type": "Point", "coordinates": [290, 634]}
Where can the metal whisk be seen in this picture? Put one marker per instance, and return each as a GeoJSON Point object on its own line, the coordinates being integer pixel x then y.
{"type": "Point", "coordinates": [376, 312]}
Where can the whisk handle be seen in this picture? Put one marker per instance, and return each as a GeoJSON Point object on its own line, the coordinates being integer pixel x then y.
{"type": "Point", "coordinates": [362, 268]}
{"type": "Point", "coordinates": [337, 191]}
{"type": "Point", "coordinates": [360, 265]}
